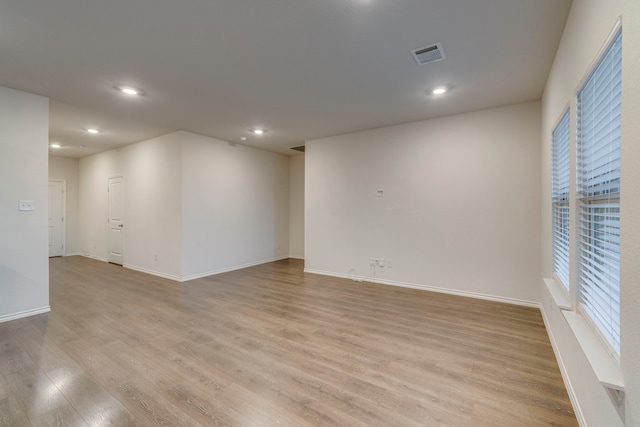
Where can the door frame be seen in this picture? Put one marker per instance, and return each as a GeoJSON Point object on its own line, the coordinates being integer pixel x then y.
{"type": "Point", "coordinates": [64, 213]}
{"type": "Point", "coordinates": [109, 178]}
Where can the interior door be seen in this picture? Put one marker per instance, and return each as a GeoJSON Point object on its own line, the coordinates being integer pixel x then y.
{"type": "Point", "coordinates": [116, 219]}
{"type": "Point", "coordinates": [56, 218]}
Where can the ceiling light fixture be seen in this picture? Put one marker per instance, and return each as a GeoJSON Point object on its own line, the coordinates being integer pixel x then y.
{"type": "Point", "coordinates": [55, 145]}
{"type": "Point", "coordinates": [258, 131]}
{"type": "Point", "coordinates": [439, 90]}
{"type": "Point", "coordinates": [244, 138]}
{"type": "Point", "coordinates": [129, 90]}
{"type": "Point", "coordinates": [92, 130]}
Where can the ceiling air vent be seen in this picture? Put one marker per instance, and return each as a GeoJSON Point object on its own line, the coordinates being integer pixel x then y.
{"type": "Point", "coordinates": [300, 148]}
{"type": "Point", "coordinates": [429, 54]}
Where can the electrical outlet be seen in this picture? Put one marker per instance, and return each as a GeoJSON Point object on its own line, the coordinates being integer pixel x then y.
{"type": "Point", "coordinates": [26, 205]}
{"type": "Point", "coordinates": [155, 257]}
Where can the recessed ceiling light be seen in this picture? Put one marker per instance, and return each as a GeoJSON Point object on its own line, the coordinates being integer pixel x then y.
{"type": "Point", "coordinates": [92, 130]}
{"type": "Point", "coordinates": [130, 90]}
{"type": "Point", "coordinates": [55, 145]}
{"type": "Point", "coordinates": [439, 90]}
{"type": "Point", "coordinates": [244, 138]}
{"type": "Point", "coordinates": [258, 131]}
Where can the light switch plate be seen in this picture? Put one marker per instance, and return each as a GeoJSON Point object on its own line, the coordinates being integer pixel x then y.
{"type": "Point", "coordinates": [26, 205]}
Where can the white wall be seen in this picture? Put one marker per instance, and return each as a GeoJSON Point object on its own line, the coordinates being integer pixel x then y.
{"type": "Point", "coordinates": [153, 205]}
{"type": "Point", "coordinates": [235, 205]}
{"type": "Point", "coordinates": [296, 206]}
{"type": "Point", "coordinates": [460, 206]}
{"type": "Point", "coordinates": [64, 168]}
{"type": "Point", "coordinates": [590, 23]}
{"type": "Point", "coordinates": [194, 205]}
{"type": "Point", "coordinates": [152, 223]}
{"type": "Point", "coordinates": [93, 201]}
{"type": "Point", "coordinates": [24, 266]}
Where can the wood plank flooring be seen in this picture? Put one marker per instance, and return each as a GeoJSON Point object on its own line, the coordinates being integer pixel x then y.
{"type": "Point", "coordinates": [272, 346]}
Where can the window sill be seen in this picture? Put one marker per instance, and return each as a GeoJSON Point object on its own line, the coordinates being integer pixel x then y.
{"type": "Point", "coordinates": [607, 372]}
{"type": "Point", "coordinates": [557, 293]}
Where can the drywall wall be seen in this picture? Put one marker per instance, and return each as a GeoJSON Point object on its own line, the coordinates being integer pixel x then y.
{"type": "Point", "coordinates": [459, 210]}
{"type": "Point", "coordinates": [153, 205]}
{"type": "Point", "coordinates": [235, 206]}
{"type": "Point", "coordinates": [65, 168]}
{"type": "Point", "coordinates": [24, 265]}
{"type": "Point", "coordinates": [194, 205]}
{"type": "Point", "coordinates": [589, 24]}
{"type": "Point", "coordinates": [152, 223]}
{"type": "Point", "coordinates": [296, 206]}
{"type": "Point", "coordinates": [93, 172]}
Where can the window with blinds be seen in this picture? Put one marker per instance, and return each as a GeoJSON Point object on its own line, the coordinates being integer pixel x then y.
{"type": "Point", "coordinates": [598, 194]}
{"type": "Point", "coordinates": [560, 141]}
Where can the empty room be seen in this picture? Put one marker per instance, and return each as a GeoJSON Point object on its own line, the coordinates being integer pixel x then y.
{"type": "Point", "coordinates": [305, 213]}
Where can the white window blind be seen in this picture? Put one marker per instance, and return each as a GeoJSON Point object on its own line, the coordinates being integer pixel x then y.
{"type": "Point", "coordinates": [560, 141]}
{"type": "Point", "coordinates": [598, 143]}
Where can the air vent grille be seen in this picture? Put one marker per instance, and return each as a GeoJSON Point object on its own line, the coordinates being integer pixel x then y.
{"type": "Point", "coordinates": [428, 54]}
{"type": "Point", "coordinates": [300, 148]}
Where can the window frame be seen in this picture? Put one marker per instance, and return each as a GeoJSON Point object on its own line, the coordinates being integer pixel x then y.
{"type": "Point", "coordinates": [586, 219]}
{"type": "Point", "coordinates": [560, 198]}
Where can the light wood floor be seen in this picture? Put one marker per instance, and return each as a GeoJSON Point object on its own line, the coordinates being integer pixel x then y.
{"type": "Point", "coordinates": [268, 346]}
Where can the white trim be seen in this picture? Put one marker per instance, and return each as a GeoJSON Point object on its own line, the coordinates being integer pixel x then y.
{"type": "Point", "coordinates": [153, 273]}
{"type": "Point", "coordinates": [124, 216]}
{"type": "Point", "coordinates": [577, 410]}
{"type": "Point", "coordinates": [227, 269]}
{"type": "Point", "coordinates": [603, 49]}
{"type": "Point", "coordinates": [201, 275]}
{"type": "Point", "coordinates": [64, 213]}
{"type": "Point", "coordinates": [558, 294]}
{"type": "Point", "coordinates": [296, 256]}
{"type": "Point", "coordinates": [73, 254]}
{"type": "Point", "coordinates": [26, 313]}
{"type": "Point", "coordinates": [103, 259]}
{"type": "Point", "coordinates": [606, 370]}
{"type": "Point", "coordinates": [476, 295]}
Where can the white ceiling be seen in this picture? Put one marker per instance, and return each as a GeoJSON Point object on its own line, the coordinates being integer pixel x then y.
{"type": "Point", "coordinates": [302, 69]}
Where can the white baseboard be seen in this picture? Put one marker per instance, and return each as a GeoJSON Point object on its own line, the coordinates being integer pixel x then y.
{"type": "Point", "coordinates": [201, 275]}
{"type": "Point", "coordinates": [73, 254]}
{"type": "Point", "coordinates": [227, 269]}
{"type": "Point", "coordinates": [26, 313]}
{"type": "Point", "coordinates": [94, 257]}
{"type": "Point", "coordinates": [153, 272]}
{"type": "Point", "coordinates": [296, 256]}
{"type": "Point", "coordinates": [577, 410]}
{"type": "Point", "coordinates": [495, 298]}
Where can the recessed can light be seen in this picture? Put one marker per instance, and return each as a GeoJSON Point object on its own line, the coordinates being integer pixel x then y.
{"type": "Point", "coordinates": [439, 90]}
{"type": "Point", "coordinates": [130, 90]}
{"type": "Point", "coordinates": [258, 131]}
{"type": "Point", "coordinates": [92, 130]}
{"type": "Point", "coordinates": [244, 138]}
{"type": "Point", "coordinates": [55, 145]}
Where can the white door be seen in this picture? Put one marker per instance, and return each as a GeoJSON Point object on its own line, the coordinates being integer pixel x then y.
{"type": "Point", "coordinates": [56, 218]}
{"type": "Point", "coordinates": [116, 219]}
